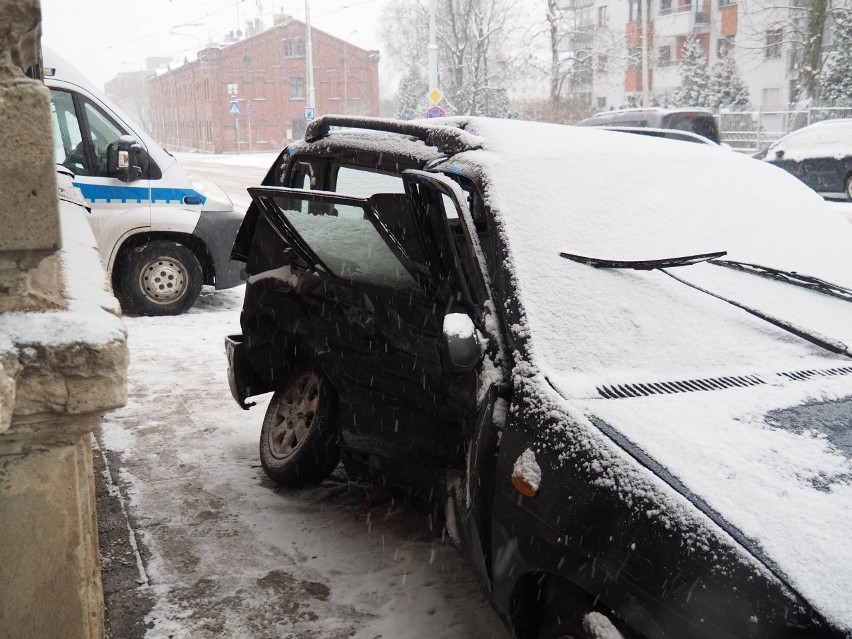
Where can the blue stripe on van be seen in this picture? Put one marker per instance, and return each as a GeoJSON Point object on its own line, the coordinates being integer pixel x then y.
{"type": "Point", "coordinates": [123, 194]}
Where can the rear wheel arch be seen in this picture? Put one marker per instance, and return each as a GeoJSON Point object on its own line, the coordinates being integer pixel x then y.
{"type": "Point", "coordinates": [545, 605]}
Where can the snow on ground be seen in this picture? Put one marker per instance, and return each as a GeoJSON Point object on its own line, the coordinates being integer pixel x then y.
{"type": "Point", "coordinates": [229, 554]}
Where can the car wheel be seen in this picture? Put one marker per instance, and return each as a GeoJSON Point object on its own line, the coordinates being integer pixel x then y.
{"type": "Point", "coordinates": [848, 187]}
{"type": "Point", "coordinates": [300, 438]}
{"type": "Point", "coordinates": [160, 278]}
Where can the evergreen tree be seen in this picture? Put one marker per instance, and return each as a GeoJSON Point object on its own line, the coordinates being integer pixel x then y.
{"type": "Point", "coordinates": [836, 82]}
{"type": "Point", "coordinates": [412, 100]}
{"type": "Point", "coordinates": [726, 87]}
{"type": "Point", "coordinates": [694, 79]}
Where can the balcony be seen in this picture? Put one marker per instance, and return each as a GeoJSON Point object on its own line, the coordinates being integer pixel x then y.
{"type": "Point", "coordinates": [667, 78]}
{"type": "Point", "coordinates": [683, 20]}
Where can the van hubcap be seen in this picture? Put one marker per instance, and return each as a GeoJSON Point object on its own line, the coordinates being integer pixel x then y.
{"type": "Point", "coordinates": [163, 280]}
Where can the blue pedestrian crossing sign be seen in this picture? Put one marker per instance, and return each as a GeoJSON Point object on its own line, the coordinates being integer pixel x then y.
{"type": "Point", "coordinates": [248, 110]}
{"type": "Point", "coordinates": [234, 107]}
{"type": "Point", "coordinates": [310, 114]}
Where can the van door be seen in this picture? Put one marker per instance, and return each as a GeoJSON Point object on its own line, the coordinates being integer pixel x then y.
{"type": "Point", "coordinates": [82, 133]}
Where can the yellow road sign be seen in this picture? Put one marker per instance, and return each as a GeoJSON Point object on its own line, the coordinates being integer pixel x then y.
{"type": "Point", "coordinates": [436, 95]}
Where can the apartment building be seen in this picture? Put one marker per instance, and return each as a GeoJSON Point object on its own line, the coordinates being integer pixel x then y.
{"type": "Point", "coordinates": [251, 95]}
{"type": "Point", "coordinates": [604, 42]}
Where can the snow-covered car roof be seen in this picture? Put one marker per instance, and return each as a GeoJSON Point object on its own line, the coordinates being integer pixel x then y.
{"type": "Point", "coordinates": [827, 139]}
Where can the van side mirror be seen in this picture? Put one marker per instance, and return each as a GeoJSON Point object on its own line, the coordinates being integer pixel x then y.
{"type": "Point", "coordinates": [124, 159]}
{"type": "Point", "coordinates": [461, 341]}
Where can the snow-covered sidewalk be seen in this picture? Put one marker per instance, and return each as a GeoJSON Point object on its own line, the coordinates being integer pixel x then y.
{"type": "Point", "coordinates": [224, 552]}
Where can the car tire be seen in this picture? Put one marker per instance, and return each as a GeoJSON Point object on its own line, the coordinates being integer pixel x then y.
{"type": "Point", "coordinates": [300, 436]}
{"type": "Point", "coordinates": [159, 278]}
{"type": "Point", "coordinates": [848, 187]}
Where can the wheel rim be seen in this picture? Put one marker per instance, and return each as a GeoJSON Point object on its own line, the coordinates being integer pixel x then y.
{"type": "Point", "coordinates": [295, 415]}
{"type": "Point", "coordinates": [163, 280]}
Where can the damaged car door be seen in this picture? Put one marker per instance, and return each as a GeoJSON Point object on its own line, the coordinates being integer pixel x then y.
{"type": "Point", "coordinates": [368, 310]}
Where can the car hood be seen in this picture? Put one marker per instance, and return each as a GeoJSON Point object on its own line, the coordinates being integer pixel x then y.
{"type": "Point", "coordinates": [763, 446]}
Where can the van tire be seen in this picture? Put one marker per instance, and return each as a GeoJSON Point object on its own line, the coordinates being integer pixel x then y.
{"type": "Point", "coordinates": [300, 437]}
{"type": "Point", "coordinates": [159, 278]}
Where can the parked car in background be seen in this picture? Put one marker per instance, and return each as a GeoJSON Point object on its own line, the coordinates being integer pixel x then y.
{"type": "Point", "coordinates": [699, 121]}
{"type": "Point", "coordinates": [161, 233]}
{"type": "Point", "coordinates": [820, 155]}
{"type": "Point", "coordinates": [629, 403]}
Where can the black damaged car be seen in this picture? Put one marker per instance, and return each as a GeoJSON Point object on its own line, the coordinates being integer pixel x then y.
{"type": "Point", "coordinates": [628, 389]}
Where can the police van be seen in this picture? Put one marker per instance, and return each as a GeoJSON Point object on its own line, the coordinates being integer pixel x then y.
{"type": "Point", "coordinates": [161, 234]}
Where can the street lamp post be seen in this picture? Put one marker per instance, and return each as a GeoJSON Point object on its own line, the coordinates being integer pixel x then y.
{"type": "Point", "coordinates": [346, 72]}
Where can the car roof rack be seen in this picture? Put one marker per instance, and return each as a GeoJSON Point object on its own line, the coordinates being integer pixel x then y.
{"type": "Point", "coordinates": [447, 138]}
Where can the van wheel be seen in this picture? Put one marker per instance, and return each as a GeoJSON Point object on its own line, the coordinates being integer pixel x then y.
{"type": "Point", "coordinates": [300, 437]}
{"type": "Point", "coordinates": [160, 278]}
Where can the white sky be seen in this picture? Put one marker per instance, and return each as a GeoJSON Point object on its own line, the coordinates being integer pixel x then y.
{"type": "Point", "coordinates": [104, 37]}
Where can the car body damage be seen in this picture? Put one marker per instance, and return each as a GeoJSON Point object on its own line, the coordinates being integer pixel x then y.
{"type": "Point", "coordinates": [665, 445]}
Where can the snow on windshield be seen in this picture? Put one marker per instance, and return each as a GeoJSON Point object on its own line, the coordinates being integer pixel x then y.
{"type": "Point", "coordinates": [821, 140]}
{"type": "Point", "coordinates": [628, 197]}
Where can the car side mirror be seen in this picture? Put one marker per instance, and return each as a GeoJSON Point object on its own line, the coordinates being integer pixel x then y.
{"type": "Point", "coordinates": [779, 154]}
{"type": "Point", "coordinates": [461, 341]}
{"type": "Point", "coordinates": [125, 157]}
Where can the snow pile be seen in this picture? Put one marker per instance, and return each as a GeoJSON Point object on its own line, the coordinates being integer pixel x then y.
{"type": "Point", "coordinates": [527, 468]}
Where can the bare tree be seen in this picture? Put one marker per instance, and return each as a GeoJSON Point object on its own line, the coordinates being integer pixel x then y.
{"type": "Point", "coordinates": [476, 43]}
{"type": "Point", "coordinates": [800, 26]}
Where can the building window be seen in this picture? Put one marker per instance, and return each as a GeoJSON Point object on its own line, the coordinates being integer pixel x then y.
{"type": "Point", "coordinates": [725, 3]}
{"type": "Point", "coordinates": [602, 103]}
{"type": "Point", "coordinates": [773, 43]}
{"type": "Point", "coordinates": [634, 59]}
{"type": "Point", "coordinates": [603, 18]}
{"type": "Point", "coordinates": [665, 7]}
{"type": "Point", "coordinates": [724, 47]}
{"type": "Point", "coordinates": [297, 88]}
{"type": "Point", "coordinates": [635, 11]}
{"type": "Point", "coordinates": [603, 63]}
{"type": "Point", "coordinates": [294, 48]}
{"type": "Point", "coordinates": [772, 97]}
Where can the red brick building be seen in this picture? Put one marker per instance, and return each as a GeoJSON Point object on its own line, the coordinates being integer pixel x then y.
{"type": "Point", "coordinates": [264, 77]}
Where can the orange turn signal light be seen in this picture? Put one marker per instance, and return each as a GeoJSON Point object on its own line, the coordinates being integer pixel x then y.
{"type": "Point", "coordinates": [523, 486]}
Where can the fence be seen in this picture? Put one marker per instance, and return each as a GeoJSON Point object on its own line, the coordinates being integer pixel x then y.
{"type": "Point", "coordinates": [750, 131]}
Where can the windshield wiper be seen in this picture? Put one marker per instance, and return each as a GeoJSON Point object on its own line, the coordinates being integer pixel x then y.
{"type": "Point", "coordinates": [791, 277]}
{"type": "Point", "coordinates": [644, 265]}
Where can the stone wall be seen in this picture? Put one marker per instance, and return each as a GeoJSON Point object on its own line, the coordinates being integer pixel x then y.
{"type": "Point", "coordinates": [63, 362]}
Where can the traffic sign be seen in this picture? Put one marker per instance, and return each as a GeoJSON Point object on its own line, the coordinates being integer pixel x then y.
{"type": "Point", "coordinates": [435, 112]}
{"type": "Point", "coordinates": [310, 114]}
{"type": "Point", "coordinates": [436, 95]}
{"type": "Point", "coordinates": [234, 107]}
{"type": "Point", "coordinates": [248, 110]}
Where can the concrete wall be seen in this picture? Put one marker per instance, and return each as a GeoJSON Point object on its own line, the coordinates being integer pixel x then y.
{"type": "Point", "coordinates": [63, 361]}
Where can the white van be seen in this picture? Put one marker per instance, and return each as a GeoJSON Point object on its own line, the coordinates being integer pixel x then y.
{"type": "Point", "coordinates": [161, 234]}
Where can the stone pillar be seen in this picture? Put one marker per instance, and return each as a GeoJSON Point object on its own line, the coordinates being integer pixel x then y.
{"type": "Point", "coordinates": [63, 361]}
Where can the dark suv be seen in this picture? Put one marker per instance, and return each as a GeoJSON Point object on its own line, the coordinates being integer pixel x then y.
{"type": "Point", "coordinates": [633, 410]}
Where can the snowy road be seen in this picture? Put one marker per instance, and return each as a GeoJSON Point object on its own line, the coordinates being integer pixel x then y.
{"type": "Point", "coordinates": [224, 552]}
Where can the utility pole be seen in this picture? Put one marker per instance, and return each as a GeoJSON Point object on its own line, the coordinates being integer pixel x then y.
{"type": "Point", "coordinates": [644, 7]}
{"type": "Point", "coordinates": [309, 58]}
{"type": "Point", "coordinates": [433, 47]}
